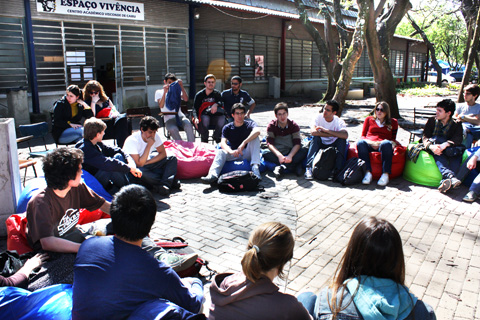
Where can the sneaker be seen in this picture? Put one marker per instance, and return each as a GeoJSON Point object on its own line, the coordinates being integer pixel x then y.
{"type": "Point", "coordinates": [470, 196]}
{"type": "Point", "coordinates": [368, 178]}
{"type": "Point", "coordinates": [176, 185]}
{"type": "Point", "coordinates": [209, 179]}
{"type": "Point", "coordinates": [279, 171]}
{"type": "Point", "coordinates": [308, 174]}
{"type": "Point", "coordinates": [456, 183]}
{"type": "Point", "coordinates": [383, 181]}
{"type": "Point", "coordinates": [162, 190]}
{"type": "Point", "coordinates": [178, 262]}
{"type": "Point", "coordinates": [256, 171]}
{"type": "Point", "coordinates": [445, 185]}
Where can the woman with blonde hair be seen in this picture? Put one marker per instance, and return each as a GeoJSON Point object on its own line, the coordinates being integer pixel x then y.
{"type": "Point", "coordinates": [379, 134]}
{"type": "Point", "coordinates": [370, 280]}
{"type": "Point", "coordinates": [251, 294]}
{"type": "Point", "coordinates": [103, 107]}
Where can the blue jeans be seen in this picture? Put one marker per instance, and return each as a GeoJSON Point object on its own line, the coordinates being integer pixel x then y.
{"type": "Point", "coordinates": [463, 173]}
{"type": "Point", "coordinates": [316, 144]}
{"type": "Point", "coordinates": [251, 153]}
{"type": "Point", "coordinates": [308, 299]}
{"type": "Point", "coordinates": [174, 131]}
{"type": "Point", "coordinates": [296, 160]}
{"type": "Point", "coordinates": [159, 173]}
{"type": "Point", "coordinates": [112, 181]}
{"type": "Point", "coordinates": [217, 120]}
{"type": "Point", "coordinates": [471, 132]}
{"type": "Point", "coordinates": [385, 148]}
{"type": "Point", "coordinates": [71, 135]}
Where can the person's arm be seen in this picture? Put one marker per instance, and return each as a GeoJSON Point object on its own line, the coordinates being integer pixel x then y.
{"type": "Point", "coordinates": [197, 103]}
{"type": "Point", "coordinates": [59, 118]}
{"type": "Point", "coordinates": [457, 134]}
{"type": "Point", "coordinates": [324, 132]}
{"type": "Point", "coordinates": [184, 92]}
{"type": "Point", "coordinates": [161, 101]}
{"type": "Point", "coordinates": [106, 207]}
{"type": "Point", "coordinates": [473, 119]}
{"type": "Point", "coordinates": [162, 154]}
{"type": "Point", "coordinates": [253, 135]}
{"type": "Point", "coordinates": [224, 145]}
{"type": "Point", "coordinates": [366, 127]}
{"type": "Point", "coordinates": [253, 104]}
{"type": "Point", "coordinates": [59, 245]}
{"type": "Point", "coordinates": [140, 161]}
{"type": "Point", "coordinates": [98, 159]}
{"type": "Point", "coordinates": [394, 129]}
{"type": "Point", "coordinates": [274, 150]}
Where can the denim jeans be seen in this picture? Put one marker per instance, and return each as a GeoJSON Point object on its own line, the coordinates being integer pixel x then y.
{"type": "Point", "coordinates": [174, 131]}
{"type": "Point", "coordinates": [296, 160]}
{"type": "Point", "coordinates": [159, 173]}
{"type": "Point", "coordinates": [316, 144]}
{"type": "Point", "coordinates": [473, 133]}
{"type": "Point", "coordinates": [464, 171]}
{"type": "Point", "coordinates": [385, 148]}
{"type": "Point", "coordinates": [112, 181]}
{"type": "Point", "coordinates": [217, 120]}
{"type": "Point", "coordinates": [71, 135]}
{"type": "Point", "coordinates": [251, 153]}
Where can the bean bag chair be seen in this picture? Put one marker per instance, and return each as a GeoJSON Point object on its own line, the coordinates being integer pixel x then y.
{"type": "Point", "coordinates": [398, 161]}
{"type": "Point", "coordinates": [54, 302]}
{"type": "Point", "coordinates": [163, 309]}
{"type": "Point", "coordinates": [193, 158]}
{"type": "Point", "coordinates": [16, 237]}
{"type": "Point", "coordinates": [425, 171]}
{"type": "Point", "coordinates": [96, 186]}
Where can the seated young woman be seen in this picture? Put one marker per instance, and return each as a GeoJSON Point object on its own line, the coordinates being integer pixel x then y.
{"type": "Point", "coordinates": [103, 107]}
{"type": "Point", "coordinates": [251, 294]}
{"type": "Point", "coordinates": [378, 134]}
{"type": "Point", "coordinates": [370, 281]}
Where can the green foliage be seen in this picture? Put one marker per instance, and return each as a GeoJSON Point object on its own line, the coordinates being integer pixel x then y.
{"type": "Point", "coordinates": [422, 90]}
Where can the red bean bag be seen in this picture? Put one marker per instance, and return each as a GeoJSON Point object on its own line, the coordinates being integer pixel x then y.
{"type": "Point", "coordinates": [193, 158]}
{"type": "Point", "coordinates": [398, 161]}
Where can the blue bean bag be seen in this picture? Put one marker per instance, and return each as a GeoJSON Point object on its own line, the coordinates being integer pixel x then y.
{"type": "Point", "coordinates": [473, 173]}
{"type": "Point", "coordinates": [53, 302]}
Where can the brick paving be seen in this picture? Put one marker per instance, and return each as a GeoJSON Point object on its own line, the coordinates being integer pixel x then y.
{"type": "Point", "coordinates": [439, 232]}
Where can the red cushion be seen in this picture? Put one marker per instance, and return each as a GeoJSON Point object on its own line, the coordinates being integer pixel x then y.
{"type": "Point", "coordinates": [104, 113]}
{"type": "Point", "coordinates": [398, 161]}
{"type": "Point", "coordinates": [193, 158]}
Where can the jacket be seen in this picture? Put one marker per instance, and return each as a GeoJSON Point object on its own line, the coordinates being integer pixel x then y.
{"type": "Point", "coordinates": [100, 157]}
{"type": "Point", "coordinates": [62, 116]}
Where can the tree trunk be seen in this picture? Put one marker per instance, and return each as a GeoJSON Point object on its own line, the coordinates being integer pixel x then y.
{"type": "Point", "coordinates": [332, 54]}
{"type": "Point", "coordinates": [471, 58]}
{"type": "Point", "coordinates": [430, 47]}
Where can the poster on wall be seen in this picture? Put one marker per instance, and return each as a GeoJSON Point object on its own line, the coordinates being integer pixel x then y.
{"type": "Point", "coordinates": [259, 67]}
{"type": "Point", "coordinates": [94, 8]}
{"type": "Point", "coordinates": [248, 60]}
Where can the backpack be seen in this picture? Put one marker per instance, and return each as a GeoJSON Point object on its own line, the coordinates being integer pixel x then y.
{"type": "Point", "coordinates": [238, 180]}
{"type": "Point", "coordinates": [353, 172]}
{"type": "Point", "coordinates": [324, 163]}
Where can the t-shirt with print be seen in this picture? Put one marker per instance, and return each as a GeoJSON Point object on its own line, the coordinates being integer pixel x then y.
{"type": "Point", "coordinates": [336, 124]}
{"type": "Point", "coordinates": [50, 215]}
{"type": "Point", "coordinates": [135, 144]}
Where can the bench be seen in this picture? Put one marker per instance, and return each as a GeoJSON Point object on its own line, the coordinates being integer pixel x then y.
{"type": "Point", "coordinates": [420, 117]}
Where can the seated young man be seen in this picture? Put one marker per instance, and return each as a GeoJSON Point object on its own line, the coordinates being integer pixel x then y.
{"type": "Point", "coordinates": [53, 214]}
{"type": "Point", "coordinates": [328, 130]}
{"type": "Point", "coordinates": [236, 95]}
{"type": "Point", "coordinates": [110, 165]}
{"type": "Point", "coordinates": [147, 150]}
{"type": "Point", "coordinates": [239, 141]}
{"type": "Point", "coordinates": [284, 145]}
{"type": "Point", "coordinates": [442, 138]}
{"type": "Point", "coordinates": [468, 114]}
{"type": "Point", "coordinates": [169, 100]}
{"type": "Point", "coordinates": [114, 276]}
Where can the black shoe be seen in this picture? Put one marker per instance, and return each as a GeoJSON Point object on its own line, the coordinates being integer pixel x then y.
{"type": "Point", "coordinates": [176, 184]}
{"type": "Point", "coordinates": [279, 171]}
{"type": "Point", "coordinates": [455, 182]}
{"type": "Point", "coordinates": [470, 196]}
{"type": "Point", "coordinates": [162, 190]}
{"type": "Point", "coordinates": [209, 179]}
{"type": "Point", "coordinates": [445, 185]}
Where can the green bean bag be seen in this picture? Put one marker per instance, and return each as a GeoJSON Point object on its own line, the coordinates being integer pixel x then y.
{"type": "Point", "coordinates": [424, 171]}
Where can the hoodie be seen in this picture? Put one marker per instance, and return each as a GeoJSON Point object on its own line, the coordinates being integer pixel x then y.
{"type": "Point", "coordinates": [235, 297]}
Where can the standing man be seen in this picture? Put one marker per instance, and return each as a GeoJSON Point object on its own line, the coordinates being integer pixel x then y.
{"type": "Point", "coordinates": [208, 109]}
{"type": "Point", "coordinates": [147, 150]}
{"type": "Point", "coordinates": [328, 130]}
{"type": "Point", "coordinates": [469, 114]}
{"type": "Point", "coordinates": [109, 165]}
{"type": "Point", "coordinates": [239, 141]}
{"type": "Point", "coordinates": [169, 99]}
{"type": "Point", "coordinates": [442, 138]}
{"type": "Point", "coordinates": [284, 144]}
{"type": "Point", "coordinates": [237, 95]}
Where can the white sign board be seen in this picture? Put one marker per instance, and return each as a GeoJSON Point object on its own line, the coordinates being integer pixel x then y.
{"type": "Point", "coordinates": [94, 8]}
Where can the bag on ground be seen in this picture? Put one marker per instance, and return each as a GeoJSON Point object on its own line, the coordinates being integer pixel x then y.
{"type": "Point", "coordinates": [353, 172]}
{"type": "Point", "coordinates": [324, 163]}
{"type": "Point", "coordinates": [239, 180]}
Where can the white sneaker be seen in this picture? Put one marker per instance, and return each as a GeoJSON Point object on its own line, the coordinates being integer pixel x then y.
{"type": "Point", "coordinates": [308, 174]}
{"type": "Point", "coordinates": [383, 181]}
{"type": "Point", "coordinates": [256, 171]}
{"type": "Point", "coordinates": [368, 178]}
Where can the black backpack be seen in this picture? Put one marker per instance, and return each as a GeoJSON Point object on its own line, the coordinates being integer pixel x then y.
{"type": "Point", "coordinates": [353, 172]}
{"type": "Point", "coordinates": [238, 181]}
{"type": "Point", "coordinates": [324, 163]}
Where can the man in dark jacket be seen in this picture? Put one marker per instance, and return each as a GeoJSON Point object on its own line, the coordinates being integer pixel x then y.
{"type": "Point", "coordinates": [442, 138]}
{"type": "Point", "coordinates": [110, 165]}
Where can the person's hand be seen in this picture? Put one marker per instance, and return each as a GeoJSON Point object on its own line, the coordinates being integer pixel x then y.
{"type": "Point", "coordinates": [214, 108]}
{"type": "Point", "coordinates": [150, 141]}
{"type": "Point", "coordinates": [75, 126]}
{"type": "Point", "coordinates": [436, 149]}
{"type": "Point", "coordinates": [234, 153]}
{"type": "Point", "coordinates": [180, 82]}
{"type": "Point", "coordinates": [320, 129]}
{"type": "Point", "coordinates": [95, 98]}
{"type": "Point", "coordinates": [281, 158]}
{"type": "Point", "coordinates": [135, 172]}
{"type": "Point", "coordinates": [288, 159]}
{"type": "Point", "coordinates": [165, 88]}
{"type": "Point", "coordinates": [240, 148]}
{"type": "Point", "coordinates": [472, 163]}
{"type": "Point", "coordinates": [33, 263]}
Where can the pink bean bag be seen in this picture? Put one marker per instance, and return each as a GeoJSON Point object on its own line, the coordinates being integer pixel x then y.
{"type": "Point", "coordinates": [398, 161]}
{"type": "Point", "coordinates": [193, 158]}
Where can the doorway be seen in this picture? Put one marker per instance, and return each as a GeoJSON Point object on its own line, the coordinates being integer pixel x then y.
{"type": "Point", "coordinates": [105, 63]}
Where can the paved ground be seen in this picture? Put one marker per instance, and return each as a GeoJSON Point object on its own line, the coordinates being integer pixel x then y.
{"type": "Point", "coordinates": [439, 232]}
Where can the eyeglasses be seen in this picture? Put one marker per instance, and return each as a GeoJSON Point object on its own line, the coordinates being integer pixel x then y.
{"type": "Point", "coordinates": [239, 113]}
{"type": "Point", "coordinates": [379, 109]}
{"type": "Point", "coordinates": [466, 93]}
{"type": "Point", "coordinates": [235, 83]}
{"type": "Point", "coordinates": [93, 92]}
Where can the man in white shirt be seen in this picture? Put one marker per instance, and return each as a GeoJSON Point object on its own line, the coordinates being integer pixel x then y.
{"type": "Point", "coordinates": [328, 130]}
{"type": "Point", "coordinates": [469, 114]}
{"type": "Point", "coordinates": [169, 101]}
{"type": "Point", "coordinates": [146, 149]}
